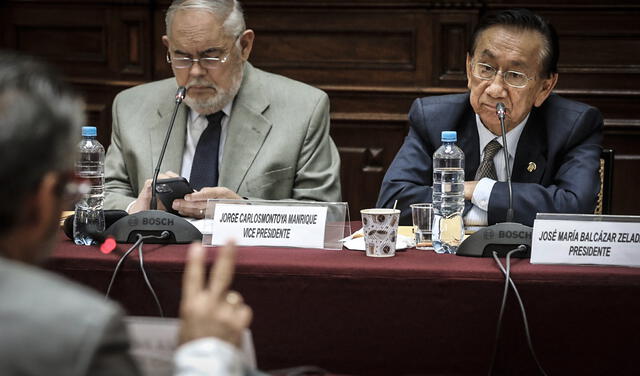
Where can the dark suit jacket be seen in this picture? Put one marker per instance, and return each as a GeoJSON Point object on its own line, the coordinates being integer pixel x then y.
{"type": "Point", "coordinates": [561, 137]}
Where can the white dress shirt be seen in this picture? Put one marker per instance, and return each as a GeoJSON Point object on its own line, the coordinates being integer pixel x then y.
{"type": "Point", "coordinates": [196, 124]}
{"type": "Point", "coordinates": [208, 357]}
{"type": "Point", "coordinates": [477, 215]}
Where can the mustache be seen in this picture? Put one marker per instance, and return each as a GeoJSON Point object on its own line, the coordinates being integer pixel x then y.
{"type": "Point", "coordinates": [201, 83]}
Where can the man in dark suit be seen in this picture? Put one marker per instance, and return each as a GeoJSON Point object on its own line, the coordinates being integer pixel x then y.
{"type": "Point", "coordinates": [50, 325]}
{"type": "Point", "coordinates": [554, 143]}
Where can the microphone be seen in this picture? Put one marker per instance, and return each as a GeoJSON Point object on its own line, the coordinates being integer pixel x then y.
{"type": "Point", "coordinates": [162, 226]}
{"type": "Point", "coordinates": [501, 111]}
{"type": "Point", "coordinates": [505, 236]}
{"type": "Point", "coordinates": [180, 94]}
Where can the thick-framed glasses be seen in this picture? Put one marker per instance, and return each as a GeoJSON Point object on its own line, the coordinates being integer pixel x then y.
{"type": "Point", "coordinates": [512, 78]}
{"type": "Point", "coordinates": [205, 62]}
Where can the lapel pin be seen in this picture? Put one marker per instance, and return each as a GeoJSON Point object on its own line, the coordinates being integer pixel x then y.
{"type": "Point", "coordinates": [532, 167]}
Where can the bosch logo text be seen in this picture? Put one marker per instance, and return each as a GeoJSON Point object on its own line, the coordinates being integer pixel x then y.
{"type": "Point", "coordinates": [157, 221]}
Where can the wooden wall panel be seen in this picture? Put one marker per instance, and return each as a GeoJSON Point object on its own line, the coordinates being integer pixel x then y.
{"type": "Point", "coordinates": [602, 57]}
{"type": "Point", "coordinates": [99, 98]}
{"type": "Point", "coordinates": [363, 167]}
{"type": "Point", "coordinates": [355, 47]}
{"type": "Point", "coordinates": [161, 69]}
{"type": "Point", "coordinates": [87, 41]}
{"type": "Point", "coordinates": [133, 47]}
{"type": "Point", "coordinates": [624, 138]}
{"type": "Point", "coordinates": [373, 58]}
{"type": "Point", "coordinates": [452, 32]}
{"type": "Point", "coordinates": [73, 39]}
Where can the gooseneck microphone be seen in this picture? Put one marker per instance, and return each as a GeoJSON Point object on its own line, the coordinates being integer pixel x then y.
{"type": "Point", "coordinates": [501, 237]}
{"type": "Point", "coordinates": [154, 225]}
{"type": "Point", "coordinates": [501, 111]}
{"type": "Point", "coordinates": [180, 94]}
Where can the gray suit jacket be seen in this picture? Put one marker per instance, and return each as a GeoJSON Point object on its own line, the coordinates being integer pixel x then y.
{"type": "Point", "coordinates": [51, 326]}
{"type": "Point", "coordinates": [277, 145]}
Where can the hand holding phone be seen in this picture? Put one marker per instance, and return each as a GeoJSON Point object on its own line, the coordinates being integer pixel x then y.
{"type": "Point", "coordinates": [172, 189]}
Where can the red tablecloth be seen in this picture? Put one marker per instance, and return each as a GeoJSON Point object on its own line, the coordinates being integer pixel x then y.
{"type": "Point", "coordinates": [416, 313]}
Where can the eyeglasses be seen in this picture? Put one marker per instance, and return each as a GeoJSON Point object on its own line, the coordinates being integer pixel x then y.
{"type": "Point", "coordinates": [512, 78]}
{"type": "Point", "coordinates": [205, 62]}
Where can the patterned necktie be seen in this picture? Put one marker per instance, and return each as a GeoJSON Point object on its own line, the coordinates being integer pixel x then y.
{"type": "Point", "coordinates": [204, 169]}
{"type": "Point", "coordinates": [487, 169]}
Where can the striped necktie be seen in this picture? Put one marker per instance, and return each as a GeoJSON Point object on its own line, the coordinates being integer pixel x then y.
{"type": "Point", "coordinates": [487, 168]}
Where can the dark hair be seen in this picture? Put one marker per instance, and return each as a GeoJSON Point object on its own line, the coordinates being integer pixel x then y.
{"type": "Point", "coordinates": [524, 19]}
{"type": "Point", "coordinates": [39, 124]}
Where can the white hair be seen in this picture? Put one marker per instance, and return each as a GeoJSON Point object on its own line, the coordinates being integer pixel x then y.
{"type": "Point", "coordinates": [230, 11]}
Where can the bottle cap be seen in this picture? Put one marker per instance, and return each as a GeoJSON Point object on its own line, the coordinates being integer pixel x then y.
{"type": "Point", "coordinates": [89, 132]}
{"type": "Point", "coordinates": [449, 136]}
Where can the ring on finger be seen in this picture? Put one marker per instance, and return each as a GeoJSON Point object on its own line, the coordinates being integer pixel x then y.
{"type": "Point", "coordinates": [233, 298]}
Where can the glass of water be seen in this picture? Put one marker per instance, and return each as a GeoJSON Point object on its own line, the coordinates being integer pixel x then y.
{"type": "Point", "coordinates": [422, 215]}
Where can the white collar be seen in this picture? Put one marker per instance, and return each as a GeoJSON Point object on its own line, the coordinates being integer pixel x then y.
{"type": "Point", "coordinates": [513, 136]}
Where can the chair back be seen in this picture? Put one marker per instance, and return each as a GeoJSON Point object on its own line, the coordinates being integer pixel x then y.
{"type": "Point", "coordinates": [603, 205]}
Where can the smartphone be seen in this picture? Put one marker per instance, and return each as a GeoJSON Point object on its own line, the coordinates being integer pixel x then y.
{"type": "Point", "coordinates": [171, 189]}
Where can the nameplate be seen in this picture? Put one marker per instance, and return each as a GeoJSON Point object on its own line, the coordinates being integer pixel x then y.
{"type": "Point", "coordinates": [270, 225]}
{"type": "Point", "coordinates": [586, 239]}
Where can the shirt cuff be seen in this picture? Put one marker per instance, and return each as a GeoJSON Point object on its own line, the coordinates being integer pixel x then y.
{"type": "Point", "coordinates": [130, 205]}
{"type": "Point", "coordinates": [482, 193]}
{"type": "Point", "coordinates": [208, 356]}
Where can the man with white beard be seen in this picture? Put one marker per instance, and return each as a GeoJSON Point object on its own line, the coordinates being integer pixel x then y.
{"type": "Point", "coordinates": [244, 133]}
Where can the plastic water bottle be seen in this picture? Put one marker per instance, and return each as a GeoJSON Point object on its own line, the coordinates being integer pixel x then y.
{"type": "Point", "coordinates": [448, 195]}
{"type": "Point", "coordinates": [89, 218]}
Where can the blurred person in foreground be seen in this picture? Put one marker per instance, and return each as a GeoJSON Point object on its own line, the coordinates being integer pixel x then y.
{"type": "Point", "coordinates": [242, 133]}
{"type": "Point", "coordinates": [52, 326]}
{"type": "Point", "coordinates": [553, 143]}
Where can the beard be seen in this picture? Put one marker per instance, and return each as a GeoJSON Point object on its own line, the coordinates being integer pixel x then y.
{"type": "Point", "coordinates": [221, 98]}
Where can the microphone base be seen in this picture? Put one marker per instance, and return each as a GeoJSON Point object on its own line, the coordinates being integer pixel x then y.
{"type": "Point", "coordinates": [501, 237]}
{"type": "Point", "coordinates": [153, 222]}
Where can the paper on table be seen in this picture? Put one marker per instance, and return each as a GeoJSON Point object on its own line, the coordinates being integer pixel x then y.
{"type": "Point", "coordinates": [154, 340]}
{"type": "Point", "coordinates": [64, 216]}
{"type": "Point", "coordinates": [355, 241]}
{"type": "Point", "coordinates": [205, 226]}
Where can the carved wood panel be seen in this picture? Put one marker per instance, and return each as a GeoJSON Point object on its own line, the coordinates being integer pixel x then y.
{"type": "Point", "coordinates": [367, 145]}
{"type": "Point", "coordinates": [133, 47]}
{"type": "Point", "coordinates": [99, 98]}
{"type": "Point", "coordinates": [88, 41]}
{"type": "Point", "coordinates": [355, 47]}
{"type": "Point", "coordinates": [602, 57]}
{"type": "Point", "coordinates": [453, 31]}
{"type": "Point", "coordinates": [373, 58]}
{"type": "Point", "coordinates": [73, 39]}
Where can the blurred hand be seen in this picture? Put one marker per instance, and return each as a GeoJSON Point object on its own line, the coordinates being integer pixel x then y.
{"type": "Point", "coordinates": [144, 197]}
{"type": "Point", "coordinates": [194, 204]}
{"type": "Point", "coordinates": [211, 310]}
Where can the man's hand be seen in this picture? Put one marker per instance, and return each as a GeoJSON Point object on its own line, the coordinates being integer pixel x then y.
{"type": "Point", "coordinates": [212, 310]}
{"type": "Point", "coordinates": [469, 187]}
{"type": "Point", "coordinates": [144, 197]}
{"type": "Point", "coordinates": [194, 204]}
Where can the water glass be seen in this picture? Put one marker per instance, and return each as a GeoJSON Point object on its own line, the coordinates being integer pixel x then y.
{"type": "Point", "coordinates": [422, 215]}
